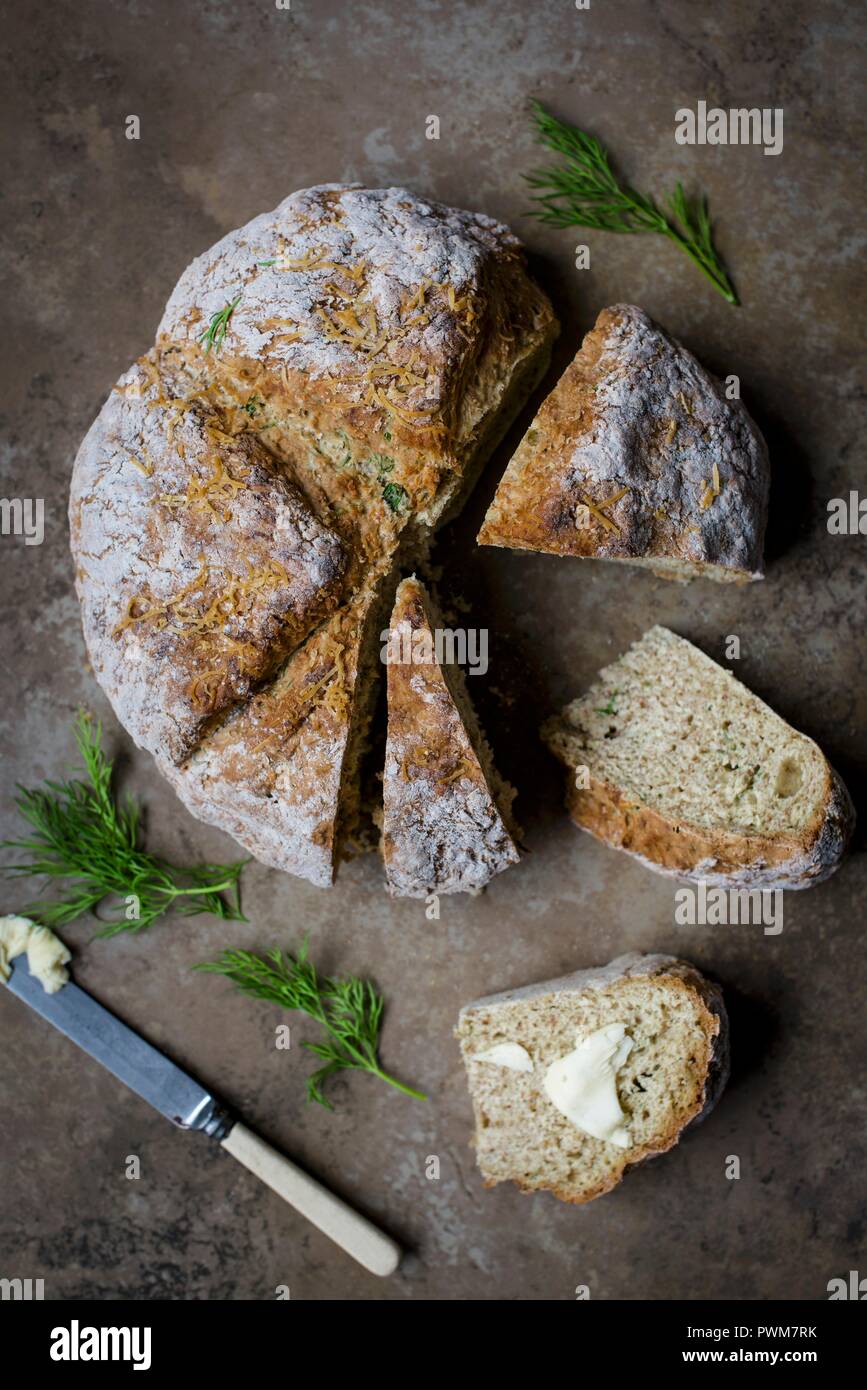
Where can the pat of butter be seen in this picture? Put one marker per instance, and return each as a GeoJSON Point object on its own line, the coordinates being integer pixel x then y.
{"type": "Point", "coordinates": [583, 1084]}
{"type": "Point", "coordinates": [46, 953]}
{"type": "Point", "coordinates": [511, 1055]}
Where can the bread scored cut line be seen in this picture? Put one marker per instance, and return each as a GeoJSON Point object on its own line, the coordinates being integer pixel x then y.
{"type": "Point", "coordinates": [654, 1037]}
{"type": "Point", "coordinates": [281, 773]}
{"type": "Point", "coordinates": [693, 774]}
{"type": "Point", "coordinates": [637, 425]}
{"type": "Point", "coordinates": [198, 570]}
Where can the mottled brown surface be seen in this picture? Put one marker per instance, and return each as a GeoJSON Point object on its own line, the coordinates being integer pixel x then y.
{"type": "Point", "coordinates": [239, 105]}
{"type": "Point", "coordinates": [632, 436]}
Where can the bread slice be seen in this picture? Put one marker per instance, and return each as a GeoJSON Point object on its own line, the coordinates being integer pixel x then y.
{"type": "Point", "coordinates": [690, 772]}
{"type": "Point", "coordinates": [199, 564]}
{"type": "Point", "coordinates": [446, 819]}
{"type": "Point", "coordinates": [638, 455]}
{"type": "Point", "coordinates": [649, 1041]}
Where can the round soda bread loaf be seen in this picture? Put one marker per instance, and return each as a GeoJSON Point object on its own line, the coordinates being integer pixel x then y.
{"type": "Point", "coordinates": [638, 454]}
{"type": "Point", "coordinates": [675, 761]}
{"type": "Point", "coordinates": [675, 1071]}
{"type": "Point", "coordinates": [326, 383]}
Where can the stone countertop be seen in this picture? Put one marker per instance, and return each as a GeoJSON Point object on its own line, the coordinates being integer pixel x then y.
{"type": "Point", "coordinates": [240, 103]}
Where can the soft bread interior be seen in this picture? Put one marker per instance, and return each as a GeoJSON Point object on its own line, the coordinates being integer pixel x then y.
{"type": "Point", "coordinates": [522, 1137]}
{"type": "Point", "coordinates": [678, 733]}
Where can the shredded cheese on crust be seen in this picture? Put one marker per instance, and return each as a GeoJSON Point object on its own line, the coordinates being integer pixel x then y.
{"type": "Point", "coordinates": [208, 626]}
{"type": "Point", "coordinates": [711, 490]}
{"type": "Point", "coordinates": [145, 468]}
{"type": "Point", "coordinates": [202, 493]}
{"type": "Point", "coordinates": [597, 510]}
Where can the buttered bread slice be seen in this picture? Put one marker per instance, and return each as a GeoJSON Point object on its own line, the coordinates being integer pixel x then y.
{"type": "Point", "coordinates": [673, 760]}
{"type": "Point", "coordinates": [446, 822]}
{"type": "Point", "coordinates": [640, 455]}
{"type": "Point", "coordinates": [575, 1080]}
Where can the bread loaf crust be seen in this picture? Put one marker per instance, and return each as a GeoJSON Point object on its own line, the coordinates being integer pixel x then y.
{"type": "Point", "coordinates": [199, 564]}
{"type": "Point", "coordinates": [273, 775]}
{"type": "Point", "coordinates": [717, 857]}
{"type": "Point", "coordinates": [637, 429]}
{"type": "Point", "coordinates": [400, 320]}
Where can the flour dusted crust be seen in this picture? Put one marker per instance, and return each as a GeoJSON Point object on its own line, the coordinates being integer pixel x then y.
{"type": "Point", "coordinates": [198, 563]}
{"type": "Point", "coordinates": [739, 857]}
{"type": "Point", "coordinates": [500, 1015]}
{"type": "Point", "coordinates": [274, 775]}
{"type": "Point", "coordinates": [350, 360]}
{"type": "Point", "coordinates": [403, 321]}
{"type": "Point", "coordinates": [638, 455]}
{"type": "Point", "coordinates": [443, 830]}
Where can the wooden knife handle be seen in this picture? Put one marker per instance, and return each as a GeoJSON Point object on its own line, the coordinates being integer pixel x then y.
{"type": "Point", "coordinates": [352, 1232]}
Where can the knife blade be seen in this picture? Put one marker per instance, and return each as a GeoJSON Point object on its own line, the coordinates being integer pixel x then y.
{"type": "Point", "coordinates": [189, 1105]}
{"type": "Point", "coordinates": [124, 1053]}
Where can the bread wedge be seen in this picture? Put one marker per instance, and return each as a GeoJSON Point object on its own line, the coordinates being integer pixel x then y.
{"type": "Point", "coordinates": [638, 455]}
{"type": "Point", "coordinates": [446, 820]}
{"type": "Point", "coordinates": [575, 1080]}
{"type": "Point", "coordinates": [281, 773]}
{"type": "Point", "coordinates": [673, 760]}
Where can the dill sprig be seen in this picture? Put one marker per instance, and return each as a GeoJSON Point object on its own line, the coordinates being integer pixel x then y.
{"type": "Point", "coordinates": [584, 191]}
{"type": "Point", "coordinates": [215, 332]}
{"type": "Point", "coordinates": [87, 840]}
{"type": "Point", "coordinates": [349, 1009]}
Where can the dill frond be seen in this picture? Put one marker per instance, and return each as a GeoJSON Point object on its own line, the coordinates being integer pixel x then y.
{"type": "Point", "coordinates": [349, 1010]}
{"type": "Point", "coordinates": [584, 191]}
{"type": "Point", "coordinates": [88, 842]}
